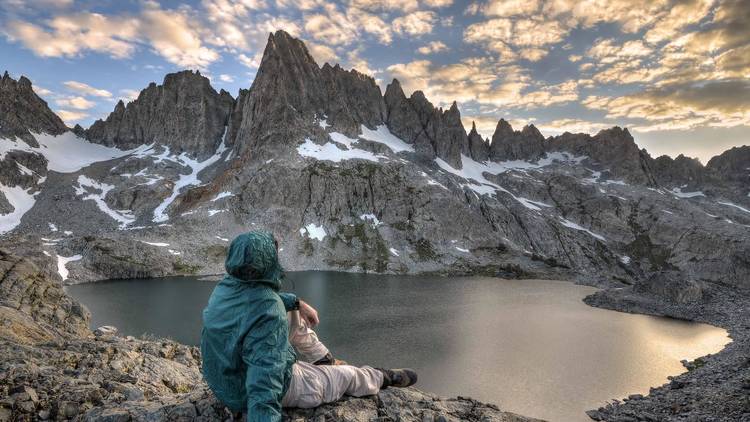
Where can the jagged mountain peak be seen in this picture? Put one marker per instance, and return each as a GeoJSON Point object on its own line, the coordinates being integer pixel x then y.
{"type": "Point", "coordinates": [286, 52]}
{"type": "Point", "coordinates": [197, 116]}
{"type": "Point", "coordinates": [290, 92]}
{"type": "Point", "coordinates": [732, 165]}
{"type": "Point", "coordinates": [616, 132]}
{"type": "Point", "coordinates": [23, 112]}
{"type": "Point", "coordinates": [509, 144]}
{"type": "Point", "coordinates": [503, 128]}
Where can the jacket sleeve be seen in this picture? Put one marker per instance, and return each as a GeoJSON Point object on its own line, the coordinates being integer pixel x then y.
{"type": "Point", "coordinates": [265, 353]}
{"type": "Point", "coordinates": [288, 299]}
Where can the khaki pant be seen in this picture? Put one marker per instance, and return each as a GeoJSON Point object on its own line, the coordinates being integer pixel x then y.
{"type": "Point", "coordinates": [313, 385]}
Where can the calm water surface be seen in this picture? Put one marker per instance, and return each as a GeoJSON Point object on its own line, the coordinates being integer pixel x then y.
{"type": "Point", "coordinates": [530, 346]}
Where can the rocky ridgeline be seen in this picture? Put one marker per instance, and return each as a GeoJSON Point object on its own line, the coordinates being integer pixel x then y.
{"type": "Point", "coordinates": [53, 368]}
{"type": "Point", "coordinates": [184, 113]}
{"type": "Point", "coordinates": [592, 208]}
{"type": "Point", "coordinates": [22, 112]}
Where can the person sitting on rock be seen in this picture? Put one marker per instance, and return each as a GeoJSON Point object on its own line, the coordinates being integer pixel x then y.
{"type": "Point", "coordinates": [259, 352]}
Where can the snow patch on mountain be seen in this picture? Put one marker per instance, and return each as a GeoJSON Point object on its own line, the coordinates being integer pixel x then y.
{"type": "Point", "coordinates": [574, 226]}
{"type": "Point", "coordinates": [680, 194]}
{"type": "Point", "coordinates": [382, 135]}
{"type": "Point", "coordinates": [729, 204]}
{"type": "Point", "coordinates": [22, 200]}
{"type": "Point", "coordinates": [87, 188]}
{"type": "Point", "coordinates": [474, 170]}
{"type": "Point", "coordinates": [62, 262]}
{"type": "Point", "coordinates": [66, 153]}
{"type": "Point", "coordinates": [313, 231]}
{"type": "Point", "coordinates": [185, 180]}
{"type": "Point", "coordinates": [222, 195]}
{"type": "Point", "coordinates": [158, 244]}
{"type": "Point", "coordinates": [372, 218]}
{"type": "Point", "coordinates": [331, 152]}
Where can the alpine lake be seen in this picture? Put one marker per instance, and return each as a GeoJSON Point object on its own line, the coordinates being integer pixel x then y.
{"type": "Point", "coordinates": [529, 346]}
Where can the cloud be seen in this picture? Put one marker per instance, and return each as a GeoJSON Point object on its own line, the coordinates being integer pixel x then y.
{"type": "Point", "coordinates": [128, 95]}
{"type": "Point", "coordinates": [507, 8]}
{"type": "Point", "coordinates": [473, 79]}
{"type": "Point", "coordinates": [78, 103]}
{"type": "Point", "coordinates": [607, 51]}
{"type": "Point", "coordinates": [42, 92]}
{"type": "Point", "coordinates": [86, 89]}
{"type": "Point", "coordinates": [438, 3]}
{"type": "Point", "coordinates": [681, 106]}
{"type": "Point", "coordinates": [331, 28]}
{"type": "Point", "coordinates": [322, 53]}
{"type": "Point", "coordinates": [72, 35]}
{"type": "Point", "coordinates": [416, 23]}
{"type": "Point", "coordinates": [371, 24]}
{"type": "Point", "coordinates": [527, 38]}
{"type": "Point", "coordinates": [173, 34]}
{"type": "Point", "coordinates": [71, 116]}
{"type": "Point", "coordinates": [375, 5]}
{"type": "Point", "coordinates": [226, 78]}
{"type": "Point", "coordinates": [572, 126]}
{"type": "Point", "coordinates": [251, 62]}
{"type": "Point", "coordinates": [432, 47]}
{"type": "Point", "coordinates": [243, 25]}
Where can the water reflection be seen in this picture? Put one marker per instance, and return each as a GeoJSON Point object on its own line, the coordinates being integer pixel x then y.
{"type": "Point", "coordinates": [530, 346]}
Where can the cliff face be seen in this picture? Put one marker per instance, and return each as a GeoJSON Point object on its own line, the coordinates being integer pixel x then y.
{"type": "Point", "coordinates": [23, 112]}
{"type": "Point", "coordinates": [507, 144]}
{"type": "Point", "coordinates": [434, 132]}
{"type": "Point", "coordinates": [291, 93]}
{"type": "Point", "coordinates": [732, 166]}
{"type": "Point", "coordinates": [184, 113]}
{"type": "Point", "coordinates": [350, 179]}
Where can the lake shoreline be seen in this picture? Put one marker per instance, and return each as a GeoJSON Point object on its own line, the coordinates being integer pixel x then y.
{"type": "Point", "coordinates": [715, 387]}
{"type": "Point", "coordinates": [55, 368]}
{"type": "Point", "coordinates": [587, 300]}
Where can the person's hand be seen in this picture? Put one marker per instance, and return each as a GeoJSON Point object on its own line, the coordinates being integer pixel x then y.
{"type": "Point", "coordinates": [308, 313]}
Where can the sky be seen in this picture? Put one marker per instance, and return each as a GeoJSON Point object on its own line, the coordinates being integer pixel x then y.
{"type": "Point", "coordinates": [675, 73]}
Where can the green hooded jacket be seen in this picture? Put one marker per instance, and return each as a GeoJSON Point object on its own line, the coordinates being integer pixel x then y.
{"type": "Point", "coordinates": [247, 358]}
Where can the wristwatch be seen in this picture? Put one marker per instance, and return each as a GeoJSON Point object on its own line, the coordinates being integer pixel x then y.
{"type": "Point", "coordinates": [295, 307]}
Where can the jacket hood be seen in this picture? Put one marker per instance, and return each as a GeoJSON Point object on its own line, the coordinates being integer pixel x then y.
{"type": "Point", "coordinates": [252, 258]}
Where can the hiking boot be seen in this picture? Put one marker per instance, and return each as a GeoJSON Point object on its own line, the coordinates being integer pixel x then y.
{"type": "Point", "coordinates": [328, 359]}
{"type": "Point", "coordinates": [398, 377]}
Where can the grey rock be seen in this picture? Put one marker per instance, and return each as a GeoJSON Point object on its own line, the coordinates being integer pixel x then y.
{"type": "Point", "coordinates": [43, 306]}
{"type": "Point", "coordinates": [86, 377]}
{"type": "Point", "coordinates": [23, 112]}
{"type": "Point", "coordinates": [105, 330]}
{"type": "Point", "coordinates": [673, 286]}
{"type": "Point", "coordinates": [508, 145]}
{"type": "Point", "coordinates": [197, 119]}
{"type": "Point", "coordinates": [479, 149]}
{"type": "Point", "coordinates": [12, 174]}
{"type": "Point", "coordinates": [679, 172]}
{"type": "Point", "coordinates": [612, 148]}
{"type": "Point", "coordinates": [432, 131]}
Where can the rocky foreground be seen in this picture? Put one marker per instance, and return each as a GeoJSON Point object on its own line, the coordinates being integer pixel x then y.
{"type": "Point", "coordinates": [52, 367]}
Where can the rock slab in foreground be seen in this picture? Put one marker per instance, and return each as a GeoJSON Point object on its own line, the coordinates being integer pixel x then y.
{"type": "Point", "coordinates": [53, 368]}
